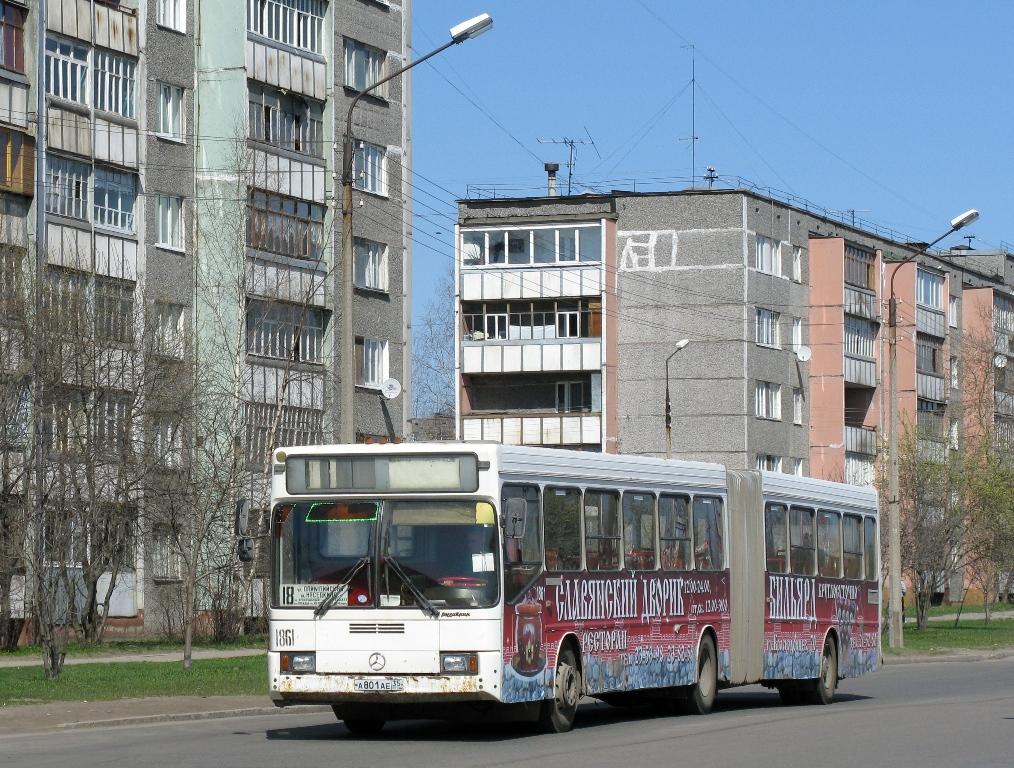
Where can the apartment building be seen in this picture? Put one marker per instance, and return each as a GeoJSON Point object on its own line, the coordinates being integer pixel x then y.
{"type": "Point", "coordinates": [784, 307]}
{"type": "Point", "coordinates": [192, 154]}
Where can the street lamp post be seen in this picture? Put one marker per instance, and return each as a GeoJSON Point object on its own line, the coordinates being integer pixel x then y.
{"type": "Point", "coordinates": [466, 30]}
{"type": "Point", "coordinates": [668, 403]}
{"type": "Point", "coordinates": [895, 627]}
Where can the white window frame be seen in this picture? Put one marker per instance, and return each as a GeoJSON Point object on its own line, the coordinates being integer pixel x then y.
{"type": "Point", "coordinates": [169, 329]}
{"type": "Point", "coordinates": [797, 263]}
{"type": "Point", "coordinates": [768, 258]}
{"type": "Point", "coordinates": [68, 70]}
{"type": "Point", "coordinates": [860, 336]}
{"type": "Point", "coordinates": [299, 23]}
{"type": "Point", "coordinates": [370, 264]}
{"type": "Point", "coordinates": [797, 406]}
{"type": "Point", "coordinates": [172, 14]}
{"type": "Point", "coordinates": [371, 169]}
{"type": "Point", "coordinates": [68, 187]}
{"type": "Point", "coordinates": [797, 467]}
{"type": "Point", "coordinates": [953, 310]}
{"type": "Point", "coordinates": [170, 112]}
{"type": "Point", "coordinates": [166, 441]}
{"type": "Point", "coordinates": [272, 331]}
{"type": "Point", "coordinates": [375, 363]}
{"type": "Point", "coordinates": [566, 403]}
{"type": "Point", "coordinates": [929, 289]}
{"type": "Point", "coordinates": [768, 400]}
{"type": "Point", "coordinates": [955, 374]}
{"type": "Point", "coordinates": [114, 199]}
{"type": "Point", "coordinates": [769, 463]}
{"type": "Point", "coordinates": [767, 328]}
{"type": "Point", "coordinates": [166, 562]}
{"type": "Point", "coordinates": [115, 83]}
{"type": "Point", "coordinates": [368, 61]}
{"type": "Point", "coordinates": [169, 229]}
{"type": "Point", "coordinates": [797, 334]}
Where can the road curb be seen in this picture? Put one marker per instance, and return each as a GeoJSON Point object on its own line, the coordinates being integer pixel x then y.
{"type": "Point", "coordinates": [173, 717]}
{"type": "Point", "coordinates": [926, 658]}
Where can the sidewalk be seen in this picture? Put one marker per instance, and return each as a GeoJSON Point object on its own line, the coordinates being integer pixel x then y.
{"type": "Point", "coordinates": [198, 653]}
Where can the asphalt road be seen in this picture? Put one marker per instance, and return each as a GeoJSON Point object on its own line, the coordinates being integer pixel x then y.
{"type": "Point", "coordinates": [925, 715]}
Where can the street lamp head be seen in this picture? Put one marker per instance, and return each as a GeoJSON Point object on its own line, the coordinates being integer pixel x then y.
{"type": "Point", "coordinates": [466, 30]}
{"type": "Point", "coordinates": [681, 343]}
{"type": "Point", "coordinates": [964, 219]}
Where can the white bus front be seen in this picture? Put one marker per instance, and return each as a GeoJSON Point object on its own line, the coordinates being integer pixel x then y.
{"type": "Point", "coordinates": [386, 585]}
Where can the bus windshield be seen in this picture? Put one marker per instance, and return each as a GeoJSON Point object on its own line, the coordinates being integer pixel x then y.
{"type": "Point", "coordinates": [362, 554]}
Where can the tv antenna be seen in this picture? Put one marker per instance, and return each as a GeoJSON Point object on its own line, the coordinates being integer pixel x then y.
{"type": "Point", "coordinates": [711, 176]}
{"type": "Point", "coordinates": [969, 238]}
{"type": "Point", "coordinates": [571, 154]}
{"type": "Point", "coordinates": [693, 113]}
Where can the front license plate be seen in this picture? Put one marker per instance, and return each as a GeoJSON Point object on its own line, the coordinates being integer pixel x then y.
{"type": "Point", "coordinates": [378, 684]}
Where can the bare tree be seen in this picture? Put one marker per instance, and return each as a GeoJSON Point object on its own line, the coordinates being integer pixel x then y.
{"type": "Point", "coordinates": [433, 351]}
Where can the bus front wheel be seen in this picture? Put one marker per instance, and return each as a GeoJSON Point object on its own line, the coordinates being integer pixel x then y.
{"type": "Point", "coordinates": [702, 695]}
{"type": "Point", "coordinates": [558, 713]}
{"type": "Point", "coordinates": [822, 689]}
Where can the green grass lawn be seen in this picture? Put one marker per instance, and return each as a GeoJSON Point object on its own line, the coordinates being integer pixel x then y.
{"type": "Point", "coordinates": [241, 676]}
{"type": "Point", "coordinates": [141, 645]}
{"type": "Point", "coordinates": [950, 610]}
{"type": "Point", "coordinates": [943, 636]}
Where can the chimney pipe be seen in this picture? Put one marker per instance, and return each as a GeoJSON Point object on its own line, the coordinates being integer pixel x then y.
{"type": "Point", "coordinates": [551, 169]}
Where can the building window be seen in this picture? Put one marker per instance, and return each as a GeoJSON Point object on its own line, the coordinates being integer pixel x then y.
{"type": "Point", "coordinates": [768, 400]}
{"type": "Point", "coordinates": [370, 264]}
{"type": "Point", "coordinates": [572, 397]}
{"type": "Point", "coordinates": [286, 121]}
{"type": "Point", "coordinates": [371, 168]}
{"type": "Point", "coordinates": [67, 187]}
{"type": "Point", "coordinates": [168, 330]}
{"type": "Point", "coordinates": [797, 264]}
{"type": "Point", "coordinates": [299, 23]}
{"type": "Point", "coordinates": [114, 310]}
{"type": "Point", "coordinates": [929, 290]}
{"type": "Point", "coordinates": [12, 37]}
{"type": "Point", "coordinates": [115, 195]}
{"type": "Point", "coordinates": [285, 226]}
{"type": "Point", "coordinates": [285, 331]}
{"type": "Point", "coordinates": [64, 301]}
{"type": "Point", "coordinates": [12, 285]}
{"type": "Point", "coordinates": [16, 162]}
{"type": "Point", "coordinates": [769, 463]}
{"type": "Point", "coordinates": [65, 423]}
{"type": "Point", "coordinates": [166, 441]}
{"type": "Point", "coordinates": [953, 435]}
{"type": "Point", "coordinates": [953, 310]}
{"type": "Point", "coordinates": [170, 222]}
{"type": "Point", "coordinates": [67, 70]}
{"type": "Point", "coordinates": [797, 334]}
{"type": "Point", "coordinates": [114, 83]}
{"type": "Point", "coordinates": [859, 270]}
{"type": "Point", "coordinates": [860, 336]}
{"type": "Point", "coordinates": [266, 428]}
{"type": "Point", "coordinates": [797, 467]}
{"type": "Point", "coordinates": [544, 245]}
{"type": "Point", "coordinates": [797, 405]}
{"type": "Point", "coordinates": [929, 355]}
{"type": "Point", "coordinates": [166, 563]}
{"type": "Point", "coordinates": [954, 373]}
{"type": "Point", "coordinates": [371, 362]}
{"type": "Point", "coordinates": [767, 328]}
{"type": "Point", "coordinates": [364, 65]}
{"type": "Point", "coordinates": [172, 14]}
{"type": "Point", "coordinates": [170, 111]}
{"type": "Point", "coordinates": [930, 418]}
{"type": "Point", "coordinates": [768, 257]}
{"type": "Point", "coordinates": [112, 423]}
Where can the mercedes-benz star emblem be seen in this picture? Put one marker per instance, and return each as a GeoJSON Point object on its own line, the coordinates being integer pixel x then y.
{"type": "Point", "coordinates": [377, 661]}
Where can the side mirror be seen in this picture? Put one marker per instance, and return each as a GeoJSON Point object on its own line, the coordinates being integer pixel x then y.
{"type": "Point", "coordinates": [245, 550]}
{"type": "Point", "coordinates": [514, 518]}
{"type": "Point", "coordinates": [242, 517]}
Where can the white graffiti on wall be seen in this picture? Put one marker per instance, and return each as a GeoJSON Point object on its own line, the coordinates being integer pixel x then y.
{"type": "Point", "coordinates": [647, 250]}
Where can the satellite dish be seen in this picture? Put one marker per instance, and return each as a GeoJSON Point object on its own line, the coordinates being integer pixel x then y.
{"type": "Point", "coordinates": [390, 389]}
{"type": "Point", "coordinates": [803, 354]}
{"type": "Point", "coordinates": [1000, 361]}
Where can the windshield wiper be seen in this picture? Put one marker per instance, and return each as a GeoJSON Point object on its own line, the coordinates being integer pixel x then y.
{"type": "Point", "coordinates": [421, 600]}
{"type": "Point", "coordinates": [329, 599]}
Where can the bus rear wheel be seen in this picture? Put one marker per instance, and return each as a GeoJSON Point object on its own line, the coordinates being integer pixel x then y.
{"type": "Point", "coordinates": [702, 695]}
{"type": "Point", "coordinates": [822, 689]}
{"type": "Point", "coordinates": [558, 713]}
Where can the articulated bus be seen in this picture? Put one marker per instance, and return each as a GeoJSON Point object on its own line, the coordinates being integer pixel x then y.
{"type": "Point", "coordinates": [472, 580]}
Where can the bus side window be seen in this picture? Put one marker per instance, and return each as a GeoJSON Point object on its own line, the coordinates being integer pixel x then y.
{"type": "Point", "coordinates": [829, 544]}
{"type": "Point", "coordinates": [522, 557]}
{"type": "Point", "coordinates": [602, 530]}
{"type": "Point", "coordinates": [674, 532]}
{"type": "Point", "coordinates": [870, 543]}
{"type": "Point", "coordinates": [852, 545]}
{"type": "Point", "coordinates": [708, 546]}
{"type": "Point", "coordinates": [639, 531]}
{"type": "Point", "coordinates": [776, 538]}
{"type": "Point", "coordinates": [802, 549]}
{"type": "Point", "coordinates": [562, 522]}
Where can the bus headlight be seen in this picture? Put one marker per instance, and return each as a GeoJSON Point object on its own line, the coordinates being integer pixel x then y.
{"type": "Point", "coordinates": [298, 663]}
{"type": "Point", "coordinates": [459, 663]}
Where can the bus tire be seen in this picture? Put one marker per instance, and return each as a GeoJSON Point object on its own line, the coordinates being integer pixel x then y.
{"type": "Point", "coordinates": [557, 714]}
{"type": "Point", "coordinates": [363, 726]}
{"type": "Point", "coordinates": [822, 689]}
{"type": "Point", "coordinates": [702, 694]}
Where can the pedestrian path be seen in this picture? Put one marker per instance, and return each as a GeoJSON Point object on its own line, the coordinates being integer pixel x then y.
{"type": "Point", "coordinates": [177, 655]}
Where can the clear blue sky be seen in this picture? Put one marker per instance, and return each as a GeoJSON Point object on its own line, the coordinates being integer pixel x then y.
{"type": "Point", "coordinates": [901, 111]}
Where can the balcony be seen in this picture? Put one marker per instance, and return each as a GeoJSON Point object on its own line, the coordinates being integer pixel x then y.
{"type": "Point", "coordinates": [860, 469]}
{"type": "Point", "coordinates": [548, 430]}
{"type": "Point", "coordinates": [860, 303]}
{"type": "Point", "coordinates": [1003, 403]}
{"type": "Point", "coordinates": [929, 386]}
{"type": "Point", "coordinates": [861, 440]}
{"type": "Point", "coordinates": [499, 283]}
{"type": "Point", "coordinates": [931, 321]}
{"type": "Point", "coordinates": [860, 371]}
{"type": "Point", "coordinates": [531, 356]}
